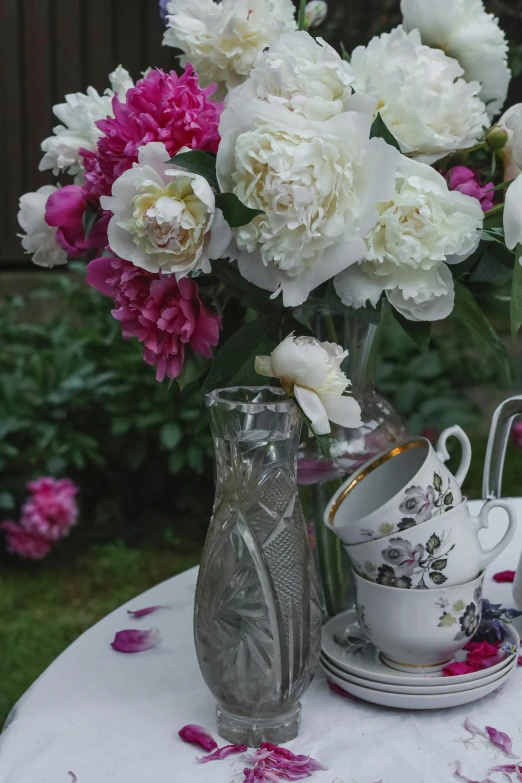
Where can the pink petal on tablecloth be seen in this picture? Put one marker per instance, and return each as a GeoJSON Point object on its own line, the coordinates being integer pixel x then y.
{"type": "Point", "coordinates": [133, 641]}
{"type": "Point", "coordinates": [504, 576]}
{"type": "Point", "coordinates": [341, 692]}
{"type": "Point", "coordinates": [508, 769]}
{"type": "Point", "coordinates": [500, 740]}
{"type": "Point", "coordinates": [458, 774]}
{"type": "Point", "coordinates": [74, 779]}
{"type": "Point", "coordinates": [197, 735]}
{"type": "Point", "coordinates": [222, 753]}
{"type": "Point", "coordinates": [138, 613]}
{"type": "Point", "coordinates": [469, 726]}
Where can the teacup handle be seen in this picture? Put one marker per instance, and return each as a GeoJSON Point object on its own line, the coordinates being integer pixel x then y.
{"type": "Point", "coordinates": [442, 452]}
{"type": "Point", "coordinates": [482, 521]}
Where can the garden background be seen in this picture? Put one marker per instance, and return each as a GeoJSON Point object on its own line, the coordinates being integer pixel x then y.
{"type": "Point", "coordinates": [76, 401]}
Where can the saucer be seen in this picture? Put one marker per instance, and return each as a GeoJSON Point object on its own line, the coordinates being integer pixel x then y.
{"type": "Point", "coordinates": [422, 702]}
{"type": "Point", "coordinates": [448, 686]}
{"type": "Point", "coordinates": [347, 649]}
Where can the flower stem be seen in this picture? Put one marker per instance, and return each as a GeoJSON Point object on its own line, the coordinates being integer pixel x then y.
{"type": "Point", "coordinates": [301, 17]}
{"type": "Point", "coordinates": [494, 210]}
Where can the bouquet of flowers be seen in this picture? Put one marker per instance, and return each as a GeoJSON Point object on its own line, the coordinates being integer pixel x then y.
{"type": "Point", "coordinates": [273, 171]}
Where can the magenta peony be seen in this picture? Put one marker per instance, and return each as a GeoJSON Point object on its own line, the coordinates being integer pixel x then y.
{"type": "Point", "coordinates": [51, 510]}
{"type": "Point", "coordinates": [161, 107]}
{"type": "Point", "coordinates": [64, 209]}
{"type": "Point", "coordinates": [24, 543]}
{"type": "Point", "coordinates": [165, 315]}
{"type": "Point", "coordinates": [468, 181]}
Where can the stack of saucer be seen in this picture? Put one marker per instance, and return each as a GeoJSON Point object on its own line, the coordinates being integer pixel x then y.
{"type": "Point", "coordinates": [352, 662]}
{"type": "Point", "coordinates": [418, 569]}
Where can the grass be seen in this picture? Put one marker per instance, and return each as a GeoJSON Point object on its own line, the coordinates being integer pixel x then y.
{"type": "Point", "coordinates": [45, 606]}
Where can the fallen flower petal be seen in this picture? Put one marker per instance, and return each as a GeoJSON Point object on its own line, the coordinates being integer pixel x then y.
{"type": "Point", "coordinates": [341, 692]}
{"type": "Point", "coordinates": [138, 613]}
{"type": "Point", "coordinates": [197, 735]}
{"type": "Point", "coordinates": [519, 662]}
{"type": "Point", "coordinates": [469, 726]}
{"type": "Point", "coordinates": [133, 641]}
{"type": "Point", "coordinates": [74, 779]}
{"type": "Point", "coordinates": [500, 740]}
{"type": "Point", "coordinates": [508, 769]}
{"type": "Point", "coordinates": [222, 753]}
{"type": "Point", "coordinates": [504, 576]}
{"type": "Point", "coordinates": [459, 667]}
{"type": "Point", "coordinates": [458, 774]}
{"type": "Point", "coordinates": [484, 655]}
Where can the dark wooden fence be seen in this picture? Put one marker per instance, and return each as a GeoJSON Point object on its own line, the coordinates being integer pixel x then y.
{"type": "Point", "coordinates": [52, 47]}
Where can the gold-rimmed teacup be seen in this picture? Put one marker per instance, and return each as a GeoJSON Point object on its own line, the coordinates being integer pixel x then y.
{"type": "Point", "coordinates": [399, 488]}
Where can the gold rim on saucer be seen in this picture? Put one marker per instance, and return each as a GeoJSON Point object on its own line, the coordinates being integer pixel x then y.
{"type": "Point", "coordinates": [385, 658]}
{"type": "Point", "coordinates": [412, 444]}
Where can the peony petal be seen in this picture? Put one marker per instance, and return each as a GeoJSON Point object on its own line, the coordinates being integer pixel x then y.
{"type": "Point", "coordinates": [469, 726]}
{"type": "Point", "coordinates": [222, 753]}
{"type": "Point", "coordinates": [500, 740]}
{"type": "Point", "coordinates": [344, 410]}
{"type": "Point", "coordinates": [504, 576]}
{"type": "Point", "coordinates": [197, 735]}
{"type": "Point", "coordinates": [513, 213]}
{"type": "Point", "coordinates": [138, 613]}
{"type": "Point", "coordinates": [459, 667]}
{"type": "Point", "coordinates": [312, 407]}
{"type": "Point", "coordinates": [133, 641]}
{"type": "Point", "coordinates": [74, 779]}
{"type": "Point", "coordinates": [263, 366]}
{"type": "Point", "coordinates": [341, 692]}
{"type": "Point", "coordinates": [458, 774]}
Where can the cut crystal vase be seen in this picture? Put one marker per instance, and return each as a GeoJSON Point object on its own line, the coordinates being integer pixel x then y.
{"type": "Point", "coordinates": [257, 615]}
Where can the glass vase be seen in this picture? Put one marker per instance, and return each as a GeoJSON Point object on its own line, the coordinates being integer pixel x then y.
{"type": "Point", "coordinates": [257, 616]}
{"type": "Point", "coordinates": [319, 477]}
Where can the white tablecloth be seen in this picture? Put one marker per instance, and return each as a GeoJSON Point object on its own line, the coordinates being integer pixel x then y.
{"type": "Point", "coordinates": [106, 716]}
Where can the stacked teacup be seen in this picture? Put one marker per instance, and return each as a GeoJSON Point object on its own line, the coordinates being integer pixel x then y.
{"type": "Point", "coordinates": [418, 562]}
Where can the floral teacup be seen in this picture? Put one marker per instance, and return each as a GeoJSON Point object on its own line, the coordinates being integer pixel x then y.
{"type": "Point", "coordinates": [419, 629]}
{"type": "Point", "coordinates": [399, 488]}
{"type": "Point", "coordinates": [444, 551]}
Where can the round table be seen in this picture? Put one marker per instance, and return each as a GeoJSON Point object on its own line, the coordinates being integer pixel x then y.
{"type": "Point", "coordinates": [106, 716]}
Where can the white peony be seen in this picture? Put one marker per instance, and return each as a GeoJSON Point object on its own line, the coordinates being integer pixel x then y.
{"type": "Point", "coordinates": [316, 182]}
{"type": "Point", "coordinates": [463, 30]}
{"type": "Point", "coordinates": [165, 218]}
{"type": "Point", "coordinates": [424, 227]}
{"type": "Point", "coordinates": [513, 201]}
{"type": "Point", "coordinates": [312, 372]}
{"type": "Point", "coordinates": [222, 40]}
{"type": "Point", "coordinates": [39, 239]}
{"type": "Point", "coordinates": [78, 131]}
{"type": "Point", "coordinates": [422, 100]}
{"type": "Point", "coordinates": [304, 74]}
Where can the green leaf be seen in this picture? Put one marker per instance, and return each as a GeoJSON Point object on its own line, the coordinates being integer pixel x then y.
{"type": "Point", "coordinates": [234, 211]}
{"type": "Point", "coordinates": [345, 54]}
{"type": "Point", "coordinates": [502, 186]}
{"type": "Point", "coordinates": [90, 216]}
{"type": "Point", "coordinates": [380, 130]}
{"type": "Point", "coordinates": [447, 620]}
{"type": "Point", "coordinates": [438, 578]}
{"type": "Point", "coordinates": [194, 367]}
{"type": "Point", "coordinates": [516, 295]}
{"type": "Point", "coordinates": [418, 331]}
{"type": "Point", "coordinates": [494, 265]}
{"type": "Point", "coordinates": [198, 162]}
{"type": "Point", "coordinates": [487, 342]}
{"type": "Point", "coordinates": [249, 295]}
{"type": "Point", "coordinates": [437, 482]}
{"type": "Point", "coordinates": [448, 499]}
{"type": "Point", "coordinates": [433, 544]}
{"type": "Point", "coordinates": [459, 606]}
{"type": "Point", "coordinates": [233, 365]}
{"type": "Point", "coordinates": [7, 501]}
{"type": "Point", "coordinates": [176, 461]}
{"type": "Point", "coordinates": [440, 564]}
{"type": "Point", "coordinates": [171, 435]}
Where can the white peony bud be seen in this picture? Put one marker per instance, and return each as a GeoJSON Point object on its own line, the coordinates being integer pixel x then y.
{"type": "Point", "coordinates": [315, 13]}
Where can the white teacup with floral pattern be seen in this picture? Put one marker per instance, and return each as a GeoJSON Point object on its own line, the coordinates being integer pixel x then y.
{"type": "Point", "coordinates": [442, 552]}
{"type": "Point", "coordinates": [403, 486]}
{"type": "Point", "coordinates": [419, 629]}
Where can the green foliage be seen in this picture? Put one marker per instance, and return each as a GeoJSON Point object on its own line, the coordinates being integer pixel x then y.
{"type": "Point", "coordinates": [380, 130]}
{"type": "Point", "coordinates": [198, 162]}
{"type": "Point", "coordinates": [516, 295]}
{"type": "Point", "coordinates": [76, 400]}
{"type": "Point", "coordinates": [234, 211]}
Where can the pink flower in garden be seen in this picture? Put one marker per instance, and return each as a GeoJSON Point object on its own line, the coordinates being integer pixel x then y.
{"type": "Point", "coordinates": [52, 510]}
{"type": "Point", "coordinates": [161, 107]}
{"type": "Point", "coordinates": [468, 181]}
{"type": "Point", "coordinates": [24, 543]}
{"type": "Point", "coordinates": [164, 314]}
{"type": "Point", "coordinates": [64, 209]}
{"type": "Point", "coordinates": [516, 434]}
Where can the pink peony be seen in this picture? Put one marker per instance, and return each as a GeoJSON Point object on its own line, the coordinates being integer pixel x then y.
{"type": "Point", "coordinates": [24, 543]}
{"type": "Point", "coordinates": [161, 107]}
{"type": "Point", "coordinates": [467, 181]}
{"type": "Point", "coordinates": [64, 209]}
{"type": "Point", "coordinates": [516, 434]}
{"type": "Point", "coordinates": [52, 510]}
{"type": "Point", "coordinates": [165, 315]}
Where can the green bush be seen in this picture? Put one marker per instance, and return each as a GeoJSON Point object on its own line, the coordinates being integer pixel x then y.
{"type": "Point", "coordinates": [76, 400]}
